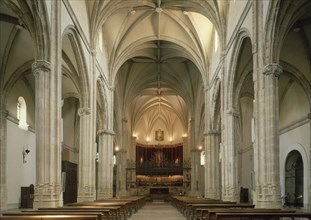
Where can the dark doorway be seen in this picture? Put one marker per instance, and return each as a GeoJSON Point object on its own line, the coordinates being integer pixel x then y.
{"type": "Point", "coordinates": [70, 181]}
{"type": "Point", "coordinates": [294, 179]}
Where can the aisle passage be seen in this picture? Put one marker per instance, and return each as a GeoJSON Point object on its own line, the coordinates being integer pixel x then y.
{"type": "Point", "coordinates": [157, 211]}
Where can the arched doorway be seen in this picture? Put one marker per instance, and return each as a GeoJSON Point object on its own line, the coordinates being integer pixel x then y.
{"type": "Point", "coordinates": [294, 179]}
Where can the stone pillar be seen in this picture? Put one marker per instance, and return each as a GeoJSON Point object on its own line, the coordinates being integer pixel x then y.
{"type": "Point", "coordinates": [3, 156]}
{"type": "Point", "coordinates": [186, 154]}
{"type": "Point", "coordinates": [230, 191]}
{"type": "Point", "coordinates": [194, 157]}
{"type": "Point", "coordinates": [121, 161]}
{"type": "Point", "coordinates": [132, 153]}
{"type": "Point", "coordinates": [86, 180]}
{"type": "Point", "coordinates": [195, 165]}
{"type": "Point", "coordinates": [132, 162]}
{"type": "Point", "coordinates": [105, 164]}
{"type": "Point", "coordinates": [212, 168]}
{"type": "Point", "coordinates": [48, 191]}
{"type": "Point", "coordinates": [267, 172]}
{"type": "Point", "coordinates": [121, 173]}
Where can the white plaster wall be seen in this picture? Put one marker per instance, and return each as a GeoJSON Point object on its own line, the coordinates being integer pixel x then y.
{"type": "Point", "coordinates": [65, 18]}
{"type": "Point", "coordinates": [21, 51]}
{"type": "Point", "coordinates": [265, 10]}
{"type": "Point", "coordinates": [19, 173]}
{"type": "Point", "coordinates": [79, 8]}
{"type": "Point", "coordinates": [235, 10]}
{"type": "Point", "coordinates": [215, 61]}
{"type": "Point", "coordinates": [294, 106]}
{"type": "Point", "coordinates": [297, 139]}
{"type": "Point", "coordinates": [247, 166]}
{"type": "Point", "coordinates": [21, 89]}
{"type": "Point", "coordinates": [69, 115]}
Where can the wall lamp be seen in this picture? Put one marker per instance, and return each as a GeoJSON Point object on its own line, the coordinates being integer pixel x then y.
{"type": "Point", "coordinates": [25, 152]}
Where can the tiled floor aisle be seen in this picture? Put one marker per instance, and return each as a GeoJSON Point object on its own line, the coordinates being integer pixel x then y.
{"type": "Point", "coordinates": [157, 211]}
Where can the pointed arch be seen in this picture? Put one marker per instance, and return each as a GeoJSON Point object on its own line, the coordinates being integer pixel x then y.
{"type": "Point", "coordinates": [280, 18]}
{"type": "Point", "coordinates": [231, 78]}
{"type": "Point", "coordinates": [102, 104]}
{"type": "Point", "coordinates": [81, 71]}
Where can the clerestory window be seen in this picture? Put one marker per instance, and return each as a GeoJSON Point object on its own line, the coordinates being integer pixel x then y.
{"type": "Point", "coordinates": [22, 113]}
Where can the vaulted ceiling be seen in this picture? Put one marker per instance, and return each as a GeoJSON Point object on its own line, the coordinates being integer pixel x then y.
{"type": "Point", "coordinates": [158, 56]}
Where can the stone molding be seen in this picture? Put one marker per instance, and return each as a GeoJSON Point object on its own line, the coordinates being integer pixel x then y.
{"type": "Point", "coordinates": [233, 112]}
{"type": "Point", "coordinates": [40, 65]}
{"type": "Point", "coordinates": [211, 133]}
{"type": "Point", "coordinates": [105, 131]}
{"type": "Point", "coordinates": [84, 111]}
{"type": "Point", "coordinates": [4, 113]}
{"type": "Point", "coordinates": [274, 69]}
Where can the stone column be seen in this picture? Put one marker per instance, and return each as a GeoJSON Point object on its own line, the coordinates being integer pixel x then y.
{"type": "Point", "coordinates": [267, 173]}
{"type": "Point", "coordinates": [195, 165]}
{"type": "Point", "coordinates": [121, 161]}
{"type": "Point", "coordinates": [309, 199]}
{"type": "Point", "coordinates": [212, 168]}
{"type": "Point", "coordinates": [48, 191]}
{"type": "Point", "coordinates": [186, 154]}
{"type": "Point", "coordinates": [105, 164]}
{"type": "Point", "coordinates": [229, 157]}
{"type": "Point", "coordinates": [132, 153]}
{"type": "Point", "coordinates": [86, 182]}
{"type": "Point", "coordinates": [121, 173]}
{"type": "Point", "coordinates": [194, 157]}
{"type": "Point", "coordinates": [3, 156]}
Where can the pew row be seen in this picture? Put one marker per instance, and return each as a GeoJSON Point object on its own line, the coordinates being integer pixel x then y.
{"type": "Point", "coordinates": [50, 217]}
{"type": "Point", "coordinates": [202, 208]}
{"type": "Point", "coordinates": [110, 209]}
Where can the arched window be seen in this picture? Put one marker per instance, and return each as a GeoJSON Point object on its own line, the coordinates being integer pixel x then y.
{"type": "Point", "coordinates": [100, 41]}
{"type": "Point", "coordinates": [294, 179]}
{"type": "Point", "coordinates": [22, 113]}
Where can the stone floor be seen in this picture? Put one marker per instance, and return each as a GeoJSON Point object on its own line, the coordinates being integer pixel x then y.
{"type": "Point", "coordinates": [157, 211]}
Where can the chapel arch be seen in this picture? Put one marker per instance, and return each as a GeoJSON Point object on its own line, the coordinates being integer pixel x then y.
{"type": "Point", "coordinates": [294, 89]}
{"type": "Point", "coordinates": [294, 174]}
{"type": "Point", "coordinates": [75, 102]}
{"type": "Point", "coordinates": [240, 101]}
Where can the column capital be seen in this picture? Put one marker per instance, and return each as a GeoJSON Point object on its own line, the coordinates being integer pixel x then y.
{"type": "Point", "coordinates": [211, 133]}
{"type": "Point", "coordinates": [105, 131]}
{"type": "Point", "coordinates": [233, 112]}
{"type": "Point", "coordinates": [93, 52]}
{"type": "Point", "coordinates": [273, 68]}
{"type": "Point", "coordinates": [40, 65]}
{"type": "Point", "coordinates": [121, 151]}
{"type": "Point", "coordinates": [195, 150]}
{"type": "Point", "coordinates": [4, 113]}
{"type": "Point", "coordinates": [84, 111]}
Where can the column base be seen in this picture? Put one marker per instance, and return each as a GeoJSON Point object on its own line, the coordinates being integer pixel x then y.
{"type": "Point", "coordinates": [230, 194]}
{"type": "Point", "coordinates": [3, 197]}
{"type": "Point", "coordinates": [48, 196]}
{"type": "Point", "coordinates": [86, 194]}
{"type": "Point", "coordinates": [213, 194]}
{"type": "Point", "coordinates": [105, 194]}
{"type": "Point", "coordinates": [268, 196]}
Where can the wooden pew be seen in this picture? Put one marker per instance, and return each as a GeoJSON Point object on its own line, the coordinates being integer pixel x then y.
{"type": "Point", "coordinates": [200, 210]}
{"type": "Point", "coordinates": [182, 202]}
{"type": "Point", "coordinates": [134, 202]}
{"type": "Point", "coordinates": [50, 217]}
{"type": "Point", "coordinates": [185, 204]}
{"type": "Point", "coordinates": [113, 212]}
{"type": "Point", "coordinates": [55, 213]}
{"type": "Point", "coordinates": [123, 208]}
{"type": "Point", "coordinates": [266, 215]}
{"type": "Point", "coordinates": [188, 209]}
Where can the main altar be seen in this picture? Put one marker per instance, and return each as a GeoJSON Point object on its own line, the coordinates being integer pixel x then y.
{"type": "Point", "coordinates": [159, 171]}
